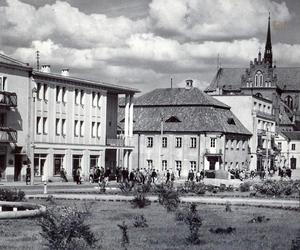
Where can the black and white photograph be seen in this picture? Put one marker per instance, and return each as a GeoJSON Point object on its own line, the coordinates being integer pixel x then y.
{"type": "Point", "coordinates": [150, 124]}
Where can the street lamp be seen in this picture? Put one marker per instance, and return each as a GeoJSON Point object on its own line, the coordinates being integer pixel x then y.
{"type": "Point", "coordinates": [34, 93]}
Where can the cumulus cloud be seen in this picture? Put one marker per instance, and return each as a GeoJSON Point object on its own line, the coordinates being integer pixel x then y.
{"type": "Point", "coordinates": [215, 19]}
{"type": "Point", "coordinates": [178, 38]}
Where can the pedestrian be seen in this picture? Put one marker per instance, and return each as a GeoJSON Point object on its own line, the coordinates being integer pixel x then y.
{"type": "Point", "coordinates": [288, 173]}
{"type": "Point", "coordinates": [192, 175]}
{"type": "Point", "coordinates": [198, 176]}
{"type": "Point", "coordinates": [168, 176]}
{"type": "Point", "coordinates": [153, 175]}
{"type": "Point", "coordinates": [78, 175]}
{"type": "Point", "coordinates": [172, 176]}
{"type": "Point", "coordinates": [63, 175]}
{"type": "Point", "coordinates": [28, 175]}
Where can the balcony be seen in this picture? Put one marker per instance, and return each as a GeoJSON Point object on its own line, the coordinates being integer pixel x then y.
{"type": "Point", "coordinates": [120, 142]}
{"type": "Point", "coordinates": [213, 152]}
{"type": "Point", "coordinates": [261, 132]}
{"type": "Point", "coordinates": [8, 135]}
{"type": "Point", "coordinates": [8, 99]}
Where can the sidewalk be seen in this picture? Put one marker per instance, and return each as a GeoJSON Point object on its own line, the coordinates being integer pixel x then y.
{"type": "Point", "coordinates": [201, 200]}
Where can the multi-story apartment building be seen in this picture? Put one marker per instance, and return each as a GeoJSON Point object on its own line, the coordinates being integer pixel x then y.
{"type": "Point", "coordinates": [288, 143]}
{"type": "Point", "coordinates": [58, 122]}
{"type": "Point", "coordinates": [256, 114]}
{"type": "Point", "coordinates": [180, 129]}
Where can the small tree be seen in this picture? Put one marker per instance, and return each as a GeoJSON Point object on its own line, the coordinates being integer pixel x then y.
{"type": "Point", "coordinates": [125, 238]}
{"type": "Point", "coordinates": [140, 199]}
{"type": "Point", "coordinates": [194, 221]}
{"type": "Point", "coordinates": [168, 197]}
{"type": "Point", "coordinates": [64, 228]}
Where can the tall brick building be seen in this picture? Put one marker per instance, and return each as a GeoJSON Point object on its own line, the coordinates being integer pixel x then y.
{"type": "Point", "coordinates": [264, 79]}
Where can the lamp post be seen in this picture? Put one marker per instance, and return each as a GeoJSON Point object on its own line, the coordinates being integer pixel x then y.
{"type": "Point", "coordinates": [34, 93]}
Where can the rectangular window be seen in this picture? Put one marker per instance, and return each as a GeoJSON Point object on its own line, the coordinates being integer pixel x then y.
{"type": "Point", "coordinates": [293, 146]}
{"type": "Point", "coordinates": [57, 126]}
{"type": "Point", "coordinates": [58, 164]}
{"type": "Point", "coordinates": [64, 95]}
{"type": "Point", "coordinates": [98, 129]}
{"type": "Point", "coordinates": [244, 144]}
{"type": "Point", "coordinates": [149, 163]}
{"type": "Point", "coordinates": [237, 145]}
{"type": "Point", "coordinates": [39, 91]}
{"type": "Point", "coordinates": [39, 162]}
{"type": "Point", "coordinates": [93, 131]}
{"type": "Point", "coordinates": [178, 141]}
{"type": "Point", "coordinates": [94, 161]}
{"type": "Point", "coordinates": [63, 127]}
{"type": "Point", "coordinates": [164, 165]}
{"type": "Point", "coordinates": [193, 142]}
{"type": "Point", "coordinates": [164, 142]}
{"type": "Point", "coordinates": [227, 144]}
{"type": "Point", "coordinates": [45, 125]}
{"type": "Point", "coordinates": [45, 92]}
{"type": "Point", "coordinates": [94, 99]}
{"type": "Point", "coordinates": [279, 145]}
{"type": "Point", "coordinates": [149, 142]}
{"type": "Point", "coordinates": [178, 165]}
{"type": "Point", "coordinates": [3, 83]}
{"type": "Point", "coordinates": [99, 100]}
{"type": "Point", "coordinates": [212, 142]}
{"type": "Point", "coordinates": [82, 97]}
{"type": "Point", "coordinates": [77, 96]}
{"type": "Point", "coordinates": [39, 125]}
{"type": "Point", "coordinates": [193, 165]}
{"type": "Point", "coordinates": [76, 128]}
{"type": "Point", "coordinates": [81, 128]}
{"type": "Point", "coordinates": [58, 94]}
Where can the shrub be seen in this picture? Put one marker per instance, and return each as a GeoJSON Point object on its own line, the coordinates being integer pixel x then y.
{"type": "Point", "coordinates": [140, 200]}
{"type": "Point", "coordinates": [140, 221]}
{"type": "Point", "coordinates": [11, 194]}
{"type": "Point", "coordinates": [125, 187]}
{"type": "Point", "coordinates": [222, 188]}
{"type": "Point", "coordinates": [194, 221]}
{"type": "Point", "coordinates": [192, 187]}
{"type": "Point", "coordinates": [64, 228]}
{"type": "Point", "coordinates": [168, 198]}
{"type": "Point", "coordinates": [245, 186]}
{"type": "Point", "coordinates": [181, 213]}
{"type": "Point", "coordinates": [277, 188]}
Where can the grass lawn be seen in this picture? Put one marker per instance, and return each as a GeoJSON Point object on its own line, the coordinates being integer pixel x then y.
{"type": "Point", "coordinates": [163, 231]}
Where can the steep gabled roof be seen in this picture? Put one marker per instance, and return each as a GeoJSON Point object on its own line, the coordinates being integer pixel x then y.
{"type": "Point", "coordinates": [177, 97]}
{"type": "Point", "coordinates": [289, 76]}
{"type": "Point", "coordinates": [292, 135]}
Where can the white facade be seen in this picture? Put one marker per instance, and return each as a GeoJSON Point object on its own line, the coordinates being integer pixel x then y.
{"type": "Point", "coordinates": [256, 114]}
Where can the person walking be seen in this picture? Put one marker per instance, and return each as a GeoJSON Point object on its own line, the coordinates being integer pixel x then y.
{"type": "Point", "coordinates": [28, 175]}
{"type": "Point", "coordinates": [168, 176]}
{"type": "Point", "coordinates": [172, 176]}
{"type": "Point", "coordinates": [78, 175]}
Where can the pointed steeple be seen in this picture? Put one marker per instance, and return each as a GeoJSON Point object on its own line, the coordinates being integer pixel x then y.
{"type": "Point", "coordinates": [268, 57]}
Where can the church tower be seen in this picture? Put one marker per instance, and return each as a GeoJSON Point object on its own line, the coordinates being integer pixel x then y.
{"type": "Point", "coordinates": [268, 57]}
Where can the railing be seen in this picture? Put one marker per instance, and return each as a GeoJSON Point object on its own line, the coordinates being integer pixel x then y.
{"type": "Point", "coordinates": [8, 99]}
{"type": "Point", "coordinates": [8, 135]}
{"type": "Point", "coordinates": [120, 142]}
{"type": "Point", "coordinates": [213, 152]}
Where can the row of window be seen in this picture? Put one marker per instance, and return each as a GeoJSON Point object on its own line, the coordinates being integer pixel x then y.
{"type": "Point", "coordinates": [61, 95]}
{"type": "Point", "coordinates": [231, 165]}
{"type": "Point", "coordinates": [178, 142]}
{"type": "Point", "coordinates": [235, 144]}
{"type": "Point", "coordinates": [61, 129]}
{"type": "Point", "coordinates": [58, 162]}
{"type": "Point", "coordinates": [178, 165]}
{"type": "Point", "coordinates": [293, 146]}
{"type": "Point", "coordinates": [262, 107]}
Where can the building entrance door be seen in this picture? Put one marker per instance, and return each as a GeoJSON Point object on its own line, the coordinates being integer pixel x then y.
{"type": "Point", "coordinates": [18, 167]}
{"type": "Point", "coordinates": [76, 164]}
{"type": "Point", "coordinates": [293, 163]}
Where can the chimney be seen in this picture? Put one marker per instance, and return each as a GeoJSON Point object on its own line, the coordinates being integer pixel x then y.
{"type": "Point", "coordinates": [46, 68]}
{"type": "Point", "coordinates": [189, 84]}
{"type": "Point", "coordinates": [65, 72]}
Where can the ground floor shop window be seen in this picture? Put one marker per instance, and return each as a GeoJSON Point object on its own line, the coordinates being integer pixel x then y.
{"type": "Point", "coordinates": [39, 163]}
{"type": "Point", "coordinates": [76, 163]}
{"type": "Point", "coordinates": [94, 161]}
{"type": "Point", "coordinates": [58, 164]}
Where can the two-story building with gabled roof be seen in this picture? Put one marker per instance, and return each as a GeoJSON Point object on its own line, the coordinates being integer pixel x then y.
{"type": "Point", "coordinates": [180, 129]}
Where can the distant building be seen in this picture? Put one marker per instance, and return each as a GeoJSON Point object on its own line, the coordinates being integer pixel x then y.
{"type": "Point", "coordinates": [256, 114]}
{"type": "Point", "coordinates": [289, 145]}
{"type": "Point", "coordinates": [262, 78]}
{"type": "Point", "coordinates": [54, 121]}
{"type": "Point", "coordinates": [182, 129]}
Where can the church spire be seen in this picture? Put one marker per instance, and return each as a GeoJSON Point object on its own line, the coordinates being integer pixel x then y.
{"type": "Point", "coordinates": [268, 57]}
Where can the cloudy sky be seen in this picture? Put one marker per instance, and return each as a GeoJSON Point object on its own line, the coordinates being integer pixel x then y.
{"type": "Point", "coordinates": [145, 43]}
